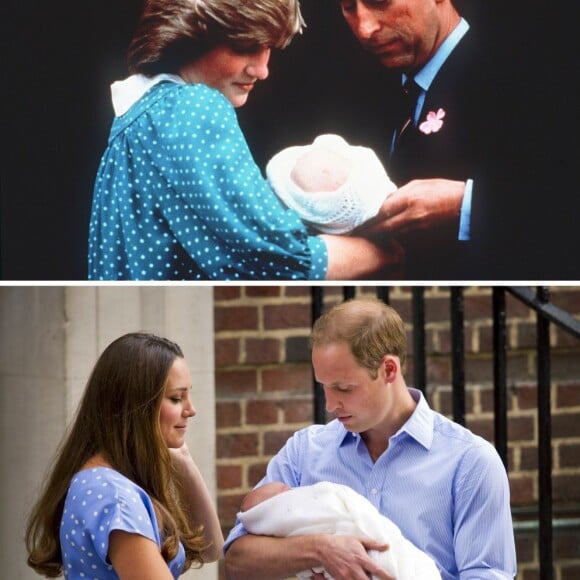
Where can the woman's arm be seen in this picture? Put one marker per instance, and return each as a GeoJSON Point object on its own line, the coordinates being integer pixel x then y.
{"type": "Point", "coordinates": [356, 258]}
{"type": "Point", "coordinates": [135, 557]}
{"type": "Point", "coordinates": [199, 502]}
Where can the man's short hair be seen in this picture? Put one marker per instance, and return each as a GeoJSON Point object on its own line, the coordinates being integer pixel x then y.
{"type": "Point", "coordinates": [371, 328]}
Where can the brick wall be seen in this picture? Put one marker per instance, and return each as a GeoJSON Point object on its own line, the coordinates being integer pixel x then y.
{"type": "Point", "coordinates": [264, 391]}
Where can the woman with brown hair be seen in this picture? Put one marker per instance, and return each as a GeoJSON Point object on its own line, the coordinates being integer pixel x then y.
{"type": "Point", "coordinates": [124, 498]}
{"type": "Point", "coordinates": [178, 195]}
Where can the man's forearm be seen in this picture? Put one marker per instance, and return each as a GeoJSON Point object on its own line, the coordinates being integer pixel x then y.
{"type": "Point", "coordinates": [268, 558]}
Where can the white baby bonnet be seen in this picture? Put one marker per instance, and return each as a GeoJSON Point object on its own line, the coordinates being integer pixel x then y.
{"type": "Point", "coordinates": [339, 211]}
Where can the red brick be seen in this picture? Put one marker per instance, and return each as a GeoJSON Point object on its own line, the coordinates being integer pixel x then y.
{"type": "Point", "coordinates": [439, 370]}
{"type": "Point", "coordinates": [229, 476]}
{"type": "Point", "coordinates": [565, 425]}
{"type": "Point", "coordinates": [569, 455]}
{"type": "Point", "coordinates": [566, 488]}
{"type": "Point", "coordinates": [255, 473]}
{"type": "Point", "coordinates": [236, 382]}
{"type": "Point", "coordinates": [568, 395]}
{"type": "Point", "coordinates": [526, 396]}
{"type": "Point", "coordinates": [567, 299]}
{"type": "Point", "coordinates": [263, 291]}
{"type": "Point", "coordinates": [525, 548]}
{"type": "Point", "coordinates": [288, 378]}
{"type": "Point", "coordinates": [521, 428]}
{"type": "Point", "coordinates": [478, 306]}
{"type": "Point", "coordinates": [263, 351]}
{"type": "Point", "coordinates": [482, 427]}
{"type": "Point", "coordinates": [526, 334]}
{"type": "Point", "coordinates": [485, 338]}
{"type": "Point", "coordinates": [297, 349]}
{"type": "Point", "coordinates": [228, 506]}
{"type": "Point", "coordinates": [564, 365]}
{"type": "Point", "coordinates": [298, 291]}
{"type": "Point", "coordinates": [403, 307]}
{"type": "Point", "coordinates": [287, 316]}
{"type": "Point", "coordinates": [487, 398]}
{"type": "Point", "coordinates": [533, 574]}
{"type": "Point", "coordinates": [275, 440]}
{"type": "Point", "coordinates": [515, 308]}
{"type": "Point", "coordinates": [235, 318]}
{"type": "Point", "coordinates": [226, 292]}
{"type": "Point", "coordinates": [529, 458]}
{"type": "Point", "coordinates": [228, 414]}
{"type": "Point", "coordinates": [522, 489]}
{"type": "Point", "coordinates": [261, 412]}
{"type": "Point", "coordinates": [438, 309]}
{"type": "Point", "coordinates": [570, 571]}
{"type": "Point", "coordinates": [238, 445]}
{"type": "Point", "coordinates": [227, 352]}
{"type": "Point", "coordinates": [567, 546]}
{"type": "Point", "coordinates": [298, 411]}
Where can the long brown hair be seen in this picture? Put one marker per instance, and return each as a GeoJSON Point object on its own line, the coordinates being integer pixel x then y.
{"type": "Point", "coordinates": [171, 34]}
{"type": "Point", "coordinates": [118, 417]}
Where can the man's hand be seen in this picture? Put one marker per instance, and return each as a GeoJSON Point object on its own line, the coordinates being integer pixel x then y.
{"type": "Point", "coordinates": [419, 205]}
{"type": "Point", "coordinates": [346, 557]}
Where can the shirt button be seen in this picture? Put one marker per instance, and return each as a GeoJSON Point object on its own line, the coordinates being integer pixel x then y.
{"type": "Point", "coordinates": [374, 491]}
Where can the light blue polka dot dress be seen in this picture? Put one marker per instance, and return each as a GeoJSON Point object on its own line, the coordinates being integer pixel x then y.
{"type": "Point", "coordinates": [99, 501]}
{"type": "Point", "coordinates": [178, 196]}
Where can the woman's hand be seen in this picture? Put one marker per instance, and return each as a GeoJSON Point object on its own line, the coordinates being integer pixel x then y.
{"type": "Point", "coordinates": [199, 503]}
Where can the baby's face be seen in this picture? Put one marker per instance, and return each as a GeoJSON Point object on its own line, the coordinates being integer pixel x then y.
{"type": "Point", "coordinates": [320, 169]}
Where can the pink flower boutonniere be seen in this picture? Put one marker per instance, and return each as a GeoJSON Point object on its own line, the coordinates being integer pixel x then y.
{"type": "Point", "coordinates": [433, 123]}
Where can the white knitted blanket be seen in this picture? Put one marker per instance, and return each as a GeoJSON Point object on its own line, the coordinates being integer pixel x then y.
{"type": "Point", "coordinates": [331, 508]}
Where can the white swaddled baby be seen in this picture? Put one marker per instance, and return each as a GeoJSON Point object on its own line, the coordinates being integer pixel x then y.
{"type": "Point", "coordinates": [333, 186]}
{"type": "Point", "coordinates": [331, 508]}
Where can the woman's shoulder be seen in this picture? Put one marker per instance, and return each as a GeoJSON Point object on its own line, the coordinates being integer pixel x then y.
{"type": "Point", "coordinates": [197, 94]}
{"type": "Point", "coordinates": [105, 481]}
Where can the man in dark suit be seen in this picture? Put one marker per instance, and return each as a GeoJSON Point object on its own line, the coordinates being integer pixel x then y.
{"type": "Point", "coordinates": [472, 191]}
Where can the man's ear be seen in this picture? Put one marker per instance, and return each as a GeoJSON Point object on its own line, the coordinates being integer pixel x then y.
{"type": "Point", "coordinates": [392, 367]}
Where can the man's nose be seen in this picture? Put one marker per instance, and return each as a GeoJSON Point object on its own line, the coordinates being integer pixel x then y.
{"type": "Point", "coordinates": [365, 23]}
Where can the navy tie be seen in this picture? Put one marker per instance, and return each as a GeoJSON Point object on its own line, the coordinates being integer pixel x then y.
{"type": "Point", "coordinates": [410, 93]}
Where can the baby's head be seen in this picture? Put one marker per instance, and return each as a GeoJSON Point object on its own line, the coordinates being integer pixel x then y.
{"type": "Point", "coordinates": [320, 168]}
{"type": "Point", "coordinates": [262, 493]}
{"type": "Point", "coordinates": [332, 185]}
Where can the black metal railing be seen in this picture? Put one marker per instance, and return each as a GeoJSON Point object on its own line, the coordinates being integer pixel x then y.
{"type": "Point", "coordinates": [546, 314]}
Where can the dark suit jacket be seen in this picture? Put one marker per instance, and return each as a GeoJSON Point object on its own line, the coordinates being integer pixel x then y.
{"type": "Point", "coordinates": [498, 130]}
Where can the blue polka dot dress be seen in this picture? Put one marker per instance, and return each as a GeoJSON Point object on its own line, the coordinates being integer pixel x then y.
{"type": "Point", "coordinates": [178, 196]}
{"type": "Point", "coordinates": [99, 501]}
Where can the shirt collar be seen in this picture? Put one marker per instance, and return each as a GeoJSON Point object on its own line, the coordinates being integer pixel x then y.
{"type": "Point", "coordinates": [425, 76]}
{"type": "Point", "coordinates": [419, 425]}
{"type": "Point", "coordinates": [127, 92]}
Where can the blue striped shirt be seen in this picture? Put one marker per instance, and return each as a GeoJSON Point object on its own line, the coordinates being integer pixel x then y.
{"type": "Point", "coordinates": [445, 487]}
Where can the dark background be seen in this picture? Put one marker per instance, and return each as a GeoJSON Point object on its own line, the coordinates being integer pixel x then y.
{"type": "Point", "coordinates": [60, 57]}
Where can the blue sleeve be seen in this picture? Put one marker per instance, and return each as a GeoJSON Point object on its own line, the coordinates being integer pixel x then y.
{"type": "Point", "coordinates": [482, 511]}
{"type": "Point", "coordinates": [222, 210]}
{"type": "Point", "coordinates": [465, 215]}
{"type": "Point", "coordinates": [115, 507]}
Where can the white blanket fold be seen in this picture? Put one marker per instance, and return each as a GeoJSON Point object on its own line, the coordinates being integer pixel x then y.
{"type": "Point", "coordinates": [330, 508]}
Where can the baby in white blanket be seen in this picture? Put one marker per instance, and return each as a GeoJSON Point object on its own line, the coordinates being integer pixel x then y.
{"type": "Point", "coordinates": [333, 186]}
{"type": "Point", "coordinates": [275, 509]}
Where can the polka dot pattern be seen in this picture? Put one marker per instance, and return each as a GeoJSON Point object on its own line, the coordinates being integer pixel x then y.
{"type": "Point", "coordinates": [101, 500]}
{"type": "Point", "coordinates": [178, 196]}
